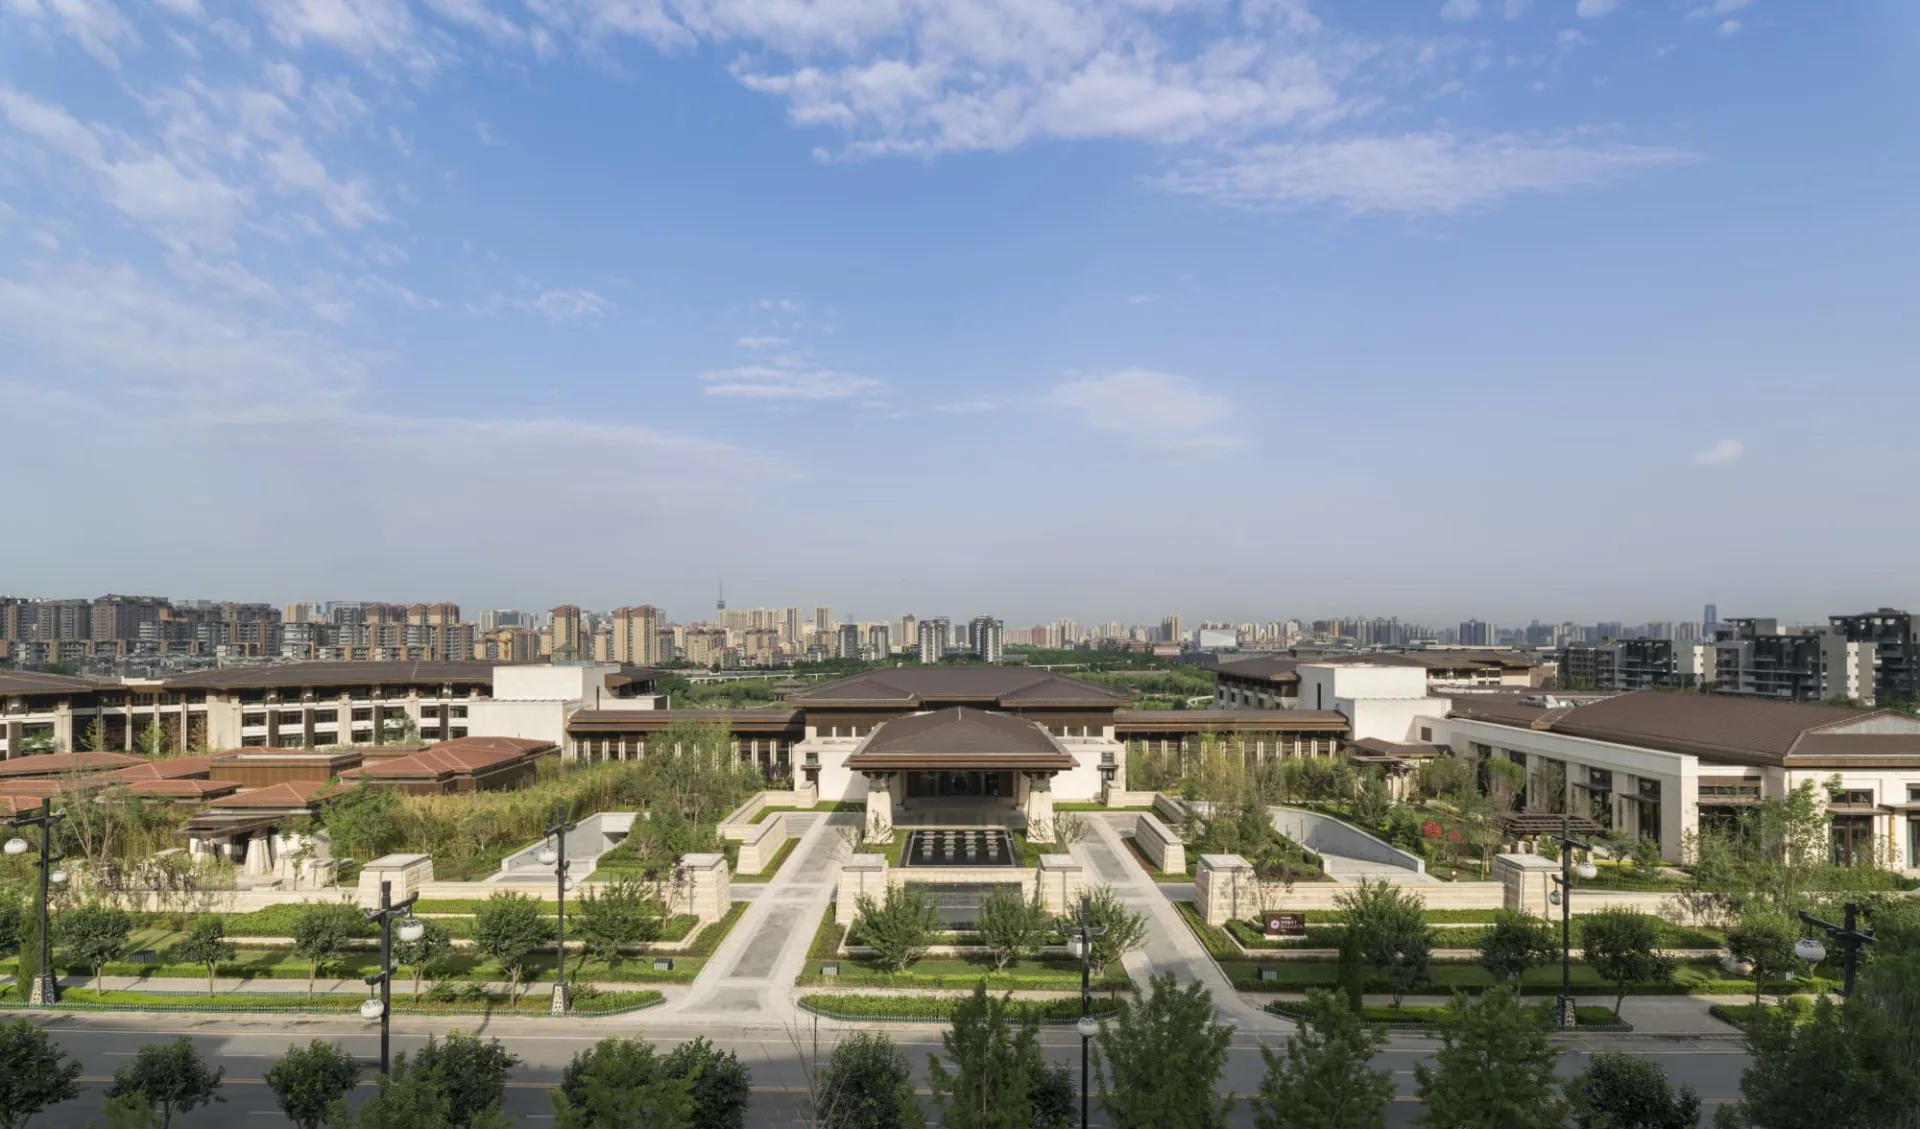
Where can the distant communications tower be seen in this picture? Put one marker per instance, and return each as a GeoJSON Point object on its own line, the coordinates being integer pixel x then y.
{"type": "Point", "coordinates": [721, 603]}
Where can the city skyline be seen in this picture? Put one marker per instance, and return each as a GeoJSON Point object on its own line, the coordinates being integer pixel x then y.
{"type": "Point", "coordinates": [1042, 308]}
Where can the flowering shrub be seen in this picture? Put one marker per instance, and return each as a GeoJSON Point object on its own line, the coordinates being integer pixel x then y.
{"type": "Point", "coordinates": [1430, 830]}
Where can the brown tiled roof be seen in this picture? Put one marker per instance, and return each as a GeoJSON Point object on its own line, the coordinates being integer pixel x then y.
{"type": "Point", "coordinates": [1716, 727]}
{"type": "Point", "coordinates": [1227, 720]}
{"type": "Point", "coordinates": [913, 685]}
{"type": "Point", "coordinates": [628, 721]}
{"type": "Point", "coordinates": [59, 764]}
{"type": "Point", "coordinates": [53, 786]}
{"type": "Point", "coordinates": [467, 755]}
{"type": "Point", "coordinates": [34, 682]}
{"type": "Point", "coordinates": [333, 674]}
{"type": "Point", "coordinates": [960, 738]}
{"type": "Point", "coordinates": [1275, 668]}
{"type": "Point", "coordinates": [269, 753]}
{"type": "Point", "coordinates": [182, 789]}
{"type": "Point", "coordinates": [286, 794]}
{"type": "Point", "coordinates": [1396, 748]}
{"type": "Point", "coordinates": [172, 768]}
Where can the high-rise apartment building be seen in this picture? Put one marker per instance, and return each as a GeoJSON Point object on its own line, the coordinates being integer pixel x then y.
{"type": "Point", "coordinates": [16, 619]}
{"type": "Point", "coordinates": [1170, 631]}
{"type": "Point", "coordinates": [847, 646]}
{"type": "Point", "coordinates": [880, 641]}
{"type": "Point", "coordinates": [58, 621]}
{"type": "Point", "coordinates": [118, 618]}
{"type": "Point", "coordinates": [300, 611]}
{"type": "Point", "coordinates": [636, 635]}
{"type": "Point", "coordinates": [822, 621]}
{"type": "Point", "coordinates": [1478, 633]}
{"type": "Point", "coordinates": [1712, 617]}
{"type": "Point", "coordinates": [565, 637]}
{"type": "Point", "coordinates": [792, 626]}
{"type": "Point", "coordinates": [1896, 667]}
{"type": "Point", "coordinates": [909, 630]}
{"type": "Point", "coordinates": [986, 638]}
{"type": "Point", "coordinates": [1069, 633]}
{"type": "Point", "coordinates": [433, 615]}
{"type": "Point", "coordinates": [343, 612]}
{"type": "Point", "coordinates": [933, 639]}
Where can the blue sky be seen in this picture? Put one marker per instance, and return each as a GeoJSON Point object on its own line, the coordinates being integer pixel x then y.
{"type": "Point", "coordinates": [1561, 308]}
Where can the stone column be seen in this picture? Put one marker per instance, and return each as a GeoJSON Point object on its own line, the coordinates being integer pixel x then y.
{"type": "Point", "coordinates": [879, 805]}
{"type": "Point", "coordinates": [859, 874]}
{"type": "Point", "coordinates": [704, 884]}
{"type": "Point", "coordinates": [1525, 882]}
{"type": "Point", "coordinates": [1061, 881]}
{"type": "Point", "coordinates": [1039, 806]}
{"type": "Point", "coordinates": [1224, 888]}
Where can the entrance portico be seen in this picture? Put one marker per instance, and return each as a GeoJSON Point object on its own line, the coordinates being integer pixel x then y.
{"type": "Point", "coordinates": [960, 765]}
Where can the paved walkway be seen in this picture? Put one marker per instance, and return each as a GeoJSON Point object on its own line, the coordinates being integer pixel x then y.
{"type": "Point", "coordinates": [1171, 946]}
{"type": "Point", "coordinates": [751, 975]}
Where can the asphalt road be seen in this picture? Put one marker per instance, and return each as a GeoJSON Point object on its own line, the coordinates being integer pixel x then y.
{"type": "Point", "coordinates": [245, 1048]}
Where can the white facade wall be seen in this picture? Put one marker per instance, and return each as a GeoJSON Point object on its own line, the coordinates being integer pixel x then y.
{"type": "Point", "coordinates": [1389, 719]}
{"type": "Point", "coordinates": [1322, 684]}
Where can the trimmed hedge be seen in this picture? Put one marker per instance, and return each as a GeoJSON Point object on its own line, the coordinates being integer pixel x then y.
{"type": "Point", "coordinates": [530, 1003]}
{"type": "Point", "coordinates": [1044, 975]}
{"type": "Point", "coordinates": [862, 1007]}
{"type": "Point", "coordinates": [1589, 1016]}
{"type": "Point", "coordinates": [1449, 936]}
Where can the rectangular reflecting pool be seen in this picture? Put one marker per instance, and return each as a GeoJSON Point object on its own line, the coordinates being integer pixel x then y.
{"type": "Point", "coordinates": [960, 846]}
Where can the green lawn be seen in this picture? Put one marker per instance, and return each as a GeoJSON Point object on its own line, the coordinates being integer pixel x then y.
{"type": "Point", "coordinates": [1140, 856]}
{"type": "Point", "coordinates": [1047, 973]}
{"type": "Point", "coordinates": [773, 866]}
{"type": "Point", "coordinates": [1428, 1015]}
{"type": "Point", "coordinates": [823, 805]}
{"type": "Point", "coordinates": [853, 1006]}
{"type": "Point", "coordinates": [1452, 936]}
{"type": "Point", "coordinates": [533, 1002]}
{"type": "Point", "coordinates": [1741, 1015]}
{"type": "Point", "coordinates": [1081, 805]}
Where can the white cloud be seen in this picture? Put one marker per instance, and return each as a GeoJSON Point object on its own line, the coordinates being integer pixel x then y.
{"type": "Point", "coordinates": [97, 25]}
{"type": "Point", "coordinates": [786, 378]}
{"type": "Point", "coordinates": [1430, 172]}
{"type": "Point", "coordinates": [294, 168]}
{"type": "Point", "coordinates": [761, 341]}
{"type": "Point", "coordinates": [365, 28]}
{"type": "Point", "coordinates": [1569, 38]}
{"type": "Point", "coordinates": [1594, 9]}
{"type": "Point", "coordinates": [1717, 9]}
{"type": "Point", "coordinates": [977, 406]}
{"type": "Point", "coordinates": [1517, 8]}
{"type": "Point", "coordinates": [1142, 299]}
{"type": "Point", "coordinates": [1725, 451]}
{"type": "Point", "coordinates": [782, 305]}
{"type": "Point", "coordinates": [1161, 412]}
{"type": "Point", "coordinates": [486, 135]}
{"type": "Point", "coordinates": [1459, 9]}
{"type": "Point", "coordinates": [568, 305]}
{"type": "Point", "coordinates": [1729, 27]}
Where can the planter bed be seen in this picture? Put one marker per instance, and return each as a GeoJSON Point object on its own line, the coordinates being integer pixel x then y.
{"type": "Point", "coordinates": [951, 974]}
{"type": "Point", "coordinates": [774, 864]}
{"type": "Point", "coordinates": [1140, 856]}
{"type": "Point", "coordinates": [1083, 806]}
{"type": "Point", "coordinates": [860, 1008]}
{"type": "Point", "coordinates": [1415, 1016]}
{"type": "Point", "coordinates": [534, 1002]}
{"type": "Point", "coordinates": [823, 806]}
{"type": "Point", "coordinates": [1450, 936]}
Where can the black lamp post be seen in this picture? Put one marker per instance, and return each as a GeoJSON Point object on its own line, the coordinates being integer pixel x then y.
{"type": "Point", "coordinates": [1565, 1013]}
{"type": "Point", "coordinates": [1080, 937]}
{"type": "Point", "coordinates": [411, 929]}
{"type": "Point", "coordinates": [1852, 939]}
{"type": "Point", "coordinates": [556, 857]}
{"type": "Point", "coordinates": [46, 988]}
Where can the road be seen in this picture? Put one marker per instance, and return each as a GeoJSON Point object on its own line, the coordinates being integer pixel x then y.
{"type": "Point", "coordinates": [246, 1047]}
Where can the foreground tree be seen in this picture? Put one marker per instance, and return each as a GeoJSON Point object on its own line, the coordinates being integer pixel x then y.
{"type": "Point", "coordinates": [308, 1080]}
{"type": "Point", "coordinates": [1389, 924]}
{"type": "Point", "coordinates": [1622, 946]}
{"type": "Point", "coordinates": [996, 1066]}
{"type": "Point", "coordinates": [408, 1098]}
{"type": "Point", "coordinates": [1159, 1060]}
{"type": "Point", "coordinates": [34, 1074]}
{"type": "Point", "coordinates": [322, 933]}
{"type": "Point", "coordinates": [207, 946]}
{"type": "Point", "coordinates": [623, 1084]}
{"type": "Point", "coordinates": [1494, 1069]}
{"type": "Point", "coordinates": [1012, 927]}
{"type": "Point", "coordinates": [1839, 1068]}
{"type": "Point", "coordinates": [867, 1083]}
{"type": "Point", "coordinates": [1622, 1091]}
{"type": "Point", "coordinates": [615, 920]}
{"type": "Point", "coordinates": [509, 928]}
{"type": "Point", "coordinates": [720, 1084]}
{"type": "Point", "coordinates": [471, 1073]}
{"type": "Point", "coordinates": [1764, 938]}
{"type": "Point", "coordinates": [1518, 941]}
{"type": "Point", "coordinates": [1326, 1079]}
{"type": "Point", "coordinates": [171, 1078]}
{"type": "Point", "coordinates": [94, 935]}
{"type": "Point", "coordinates": [1126, 929]}
{"type": "Point", "coordinates": [897, 929]}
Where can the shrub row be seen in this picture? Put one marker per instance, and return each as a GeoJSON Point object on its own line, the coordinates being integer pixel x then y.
{"type": "Point", "coordinates": [858, 1007]}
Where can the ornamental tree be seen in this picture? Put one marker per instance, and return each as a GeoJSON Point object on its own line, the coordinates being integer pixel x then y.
{"type": "Point", "coordinates": [1326, 1079]}
{"type": "Point", "coordinates": [170, 1077]}
{"type": "Point", "coordinates": [1159, 1060]}
{"type": "Point", "coordinates": [1494, 1068]}
{"type": "Point", "coordinates": [207, 946]}
{"type": "Point", "coordinates": [308, 1080]}
{"type": "Point", "coordinates": [1621, 945]}
{"type": "Point", "coordinates": [34, 1073]}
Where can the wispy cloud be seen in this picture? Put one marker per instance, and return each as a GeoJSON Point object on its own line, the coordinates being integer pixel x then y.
{"type": "Point", "coordinates": [1724, 451]}
{"type": "Point", "coordinates": [1163, 413]}
{"type": "Point", "coordinates": [786, 378]}
{"type": "Point", "coordinates": [1430, 172]}
{"type": "Point", "coordinates": [761, 341]}
{"type": "Point", "coordinates": [1459, 9]}
{"type": "Point", "coordinates": [1594, 9]}
{"type": "Point", "coordinates": [975, 406]}
{"type": "Point", "coordinates": [568, 305]}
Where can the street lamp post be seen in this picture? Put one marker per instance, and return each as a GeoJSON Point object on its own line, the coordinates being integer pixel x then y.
{"type": "Point", "coordinates": [1080, 943]}
{"type": "Point", "coordinates": [46, 987]}
{"type": "Point", "coordinates": [411, 929]}
{"type": "Point", "coordinates": [1852, 939]}
{"type": "Point", "coordinates": [1565, 1013]}
{"type": "Point", "coordinates": [556, 857]}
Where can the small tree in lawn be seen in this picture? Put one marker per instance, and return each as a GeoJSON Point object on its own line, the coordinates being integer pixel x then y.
{"type": "Point", "coordinates": [1391, 927]}
{"type": "Point", "coordinates": [1326, 1080]}
{"type": "Point", "coordinates": [509, 928]}
{"type": "Point", "coordinates": [897, 929]}
{"type": "Point", "coordinates": [94, 935]}
{"type": "Point", "coordinates": [308, 1080]}
{"type": "Point", "coordinates": [1126, 929]}
{"type": "Point", "coordinates": [1621, 1091]}
{"type": "Point", "coordinates": [207, 946]}
{"type": "Point", "coordinates": [1494, 1068]}
{"type": "Point", "coordinates": [1160, 1058]}
{"type": "Point", "coordinates": [34, 1073]}
{"type": "Point", "coordinates": [435, 945]}
{"type": "Point", "coordinates": [170, 1077]}
{"type": "Point", "coordinates": [867, 1083]}
{"type": "Point", "coordinates": [322, 933]}
{"type": "Point", "coordinates": [615, 919]}
{"type": "Point", "coordinates": [1621, 945]}
{"type": "Point", "coordinates": [1013, 927]}
{"type": "Point", "coordinates": [1518, 941]}
{"type": "Point", "coordinates": [472, 1073]}
{"type": "Point", "coordinates": [996, 1065]}
{"type": "Point", "coordinates": [1764, 937]}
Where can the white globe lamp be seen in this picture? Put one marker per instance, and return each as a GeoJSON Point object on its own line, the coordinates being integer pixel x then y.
{"type": "Point", "coordinates": [58, 877]}
{"type": "Point", "coordinates": [1088, 1026]}
{"type": "Point", "coordinates": [548, 856]}
{"type": "Point", "coordinates": [1587, 870]}
{"type": "Point", "coordinates": [1810, 950]}
{"type": "Point", "coordinates": [371, 1008]}
{"type": "Point", "coordinates": [411, 930]}
{"type": "Point", "coordinates": [16, 846]}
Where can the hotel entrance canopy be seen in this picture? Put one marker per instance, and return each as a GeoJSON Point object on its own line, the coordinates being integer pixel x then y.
{"type": "Point", "coordinates": [961, 739]}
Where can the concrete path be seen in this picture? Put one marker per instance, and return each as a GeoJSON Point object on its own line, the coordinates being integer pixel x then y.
{"type": "Point", "coordinates": [1171, 946]}
{"type": "Point", "coordinates": [750, 977]}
